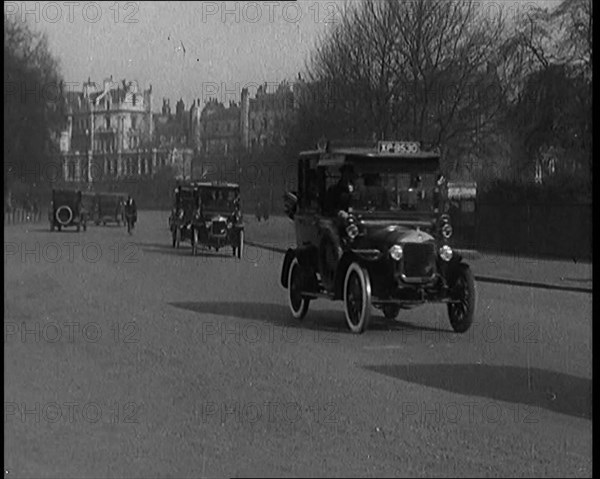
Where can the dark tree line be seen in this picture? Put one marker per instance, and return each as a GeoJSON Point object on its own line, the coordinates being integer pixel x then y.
{"type": "Point", "coordinates": [500, 94]}
{"type": "Point", "coordinates": [32, 106]}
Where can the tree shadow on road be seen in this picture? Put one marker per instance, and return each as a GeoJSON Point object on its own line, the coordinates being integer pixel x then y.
{"type": "Point", "coordinates": [279, 315]}
{"type": "Point", "coordinates": [539, 388]}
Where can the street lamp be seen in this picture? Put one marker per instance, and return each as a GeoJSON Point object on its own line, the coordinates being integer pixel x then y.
{"type": "Point", "coordinates": [89, 169]}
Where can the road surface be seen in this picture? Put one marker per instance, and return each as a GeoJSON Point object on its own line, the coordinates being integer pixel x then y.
{"type": "Point", "coordinates": [127, 358]}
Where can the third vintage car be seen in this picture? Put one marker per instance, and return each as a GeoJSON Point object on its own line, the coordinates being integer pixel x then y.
{"type": "Point", "coordinates": [66, 209]}
{"type": "Point", "coordinates": [372, 230]}
{"type": "Point", "coordinates": [109, 208]}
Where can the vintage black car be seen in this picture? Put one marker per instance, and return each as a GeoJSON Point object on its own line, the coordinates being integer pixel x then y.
{"type": "Point", "coordinates": [66, 210]}
{"type": "Point", "coordinates": [109, 208]}
{"type": "Point", "coordinates": [372, 230]}
{"type": "Point", "coordinates": [186, 205]}
{"type": "Point", "coordinates": [219, 220]}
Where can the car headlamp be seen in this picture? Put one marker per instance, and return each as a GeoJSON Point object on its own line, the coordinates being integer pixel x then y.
{"type": "Point", "coordinates": [180, 213]}
{"type": "Point", "coordinates": [447, 230]}
{"type": "Point", "coordinates": [396, 252]}
{"type": "Point", "coordinates": [229, 225]}
{"type": "Point", "coordinates": [446, 253]}
{"type": "Point", "coordinates": [352, 231]}
{"type": "Point", "coordinates": [207, 224]}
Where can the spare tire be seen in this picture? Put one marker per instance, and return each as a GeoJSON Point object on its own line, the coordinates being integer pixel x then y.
{"type": "Point", "coordinates": [64, 215]}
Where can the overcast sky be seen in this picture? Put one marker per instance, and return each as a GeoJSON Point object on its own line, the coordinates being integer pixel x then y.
{"type": "Point", "coordinates": [187, 49]}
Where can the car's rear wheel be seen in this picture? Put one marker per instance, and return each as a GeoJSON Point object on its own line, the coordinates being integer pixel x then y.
{"type": "Point", "coordinates": [357, 298]}
{"type": "Point", "coordinates": [177, 237]}
{"type": "Point", "coordinates": [194, 242]}
{"type": "Point", "coordinates": [390, 311]}
{"type": "Point", "coordinates": [298, 304]}
{"type": "Point", "coordinates": [462, 290]}
{"type": "Point", "coordinates": [240, 246]}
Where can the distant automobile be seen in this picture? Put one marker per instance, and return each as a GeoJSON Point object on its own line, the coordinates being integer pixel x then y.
{"type": "Point", "coordinates": [66, 210]}
{"type": "Point", "coordinates": [185, 205]}
{"type": "Point", "coordinates": [109, 208]}
{"type": "Point", "coordinates": [218, 221]}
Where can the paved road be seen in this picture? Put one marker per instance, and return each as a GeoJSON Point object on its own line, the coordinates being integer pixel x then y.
{"type": "Point", "coordinates": [126, 358]}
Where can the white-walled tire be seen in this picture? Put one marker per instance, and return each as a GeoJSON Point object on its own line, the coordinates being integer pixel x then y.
{"type": "Point", "coordinates": [194, 242]}
{"type": "Point", "coordinates": [240, 247]}
{"type": "Point", "coordinates": [298, 305]}
{"type": "Point", "coordinates": [357, 298]}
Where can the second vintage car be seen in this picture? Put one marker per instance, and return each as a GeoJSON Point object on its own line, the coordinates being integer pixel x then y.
{"type": "Point", "coordinates": [372, 230]}
{"type": "Point", "coordinates": [219, 221]}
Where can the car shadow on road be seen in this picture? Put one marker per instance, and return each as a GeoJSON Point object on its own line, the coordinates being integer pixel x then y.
{"type": "Point", "coordinates": [279, 315]}
{"type": "Point", "coordinates": [185, 250]}
{"type": "Point", "coordinates": [538, 388]}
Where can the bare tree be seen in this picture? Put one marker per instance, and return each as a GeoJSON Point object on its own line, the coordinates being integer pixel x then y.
{"type": "Point", "coordinates": [424, 70]}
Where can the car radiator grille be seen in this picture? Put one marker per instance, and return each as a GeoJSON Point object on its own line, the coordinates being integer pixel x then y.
{"type": "Point", "coordinates": [419, 260]}
{"type": "Point", "coordinates": [219, 227]}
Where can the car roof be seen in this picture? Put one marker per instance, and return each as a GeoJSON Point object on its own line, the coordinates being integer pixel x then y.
{"type": "Point", "coordinates": [215, 184]}
{"type": "Point", "coordinates": [341, 156]}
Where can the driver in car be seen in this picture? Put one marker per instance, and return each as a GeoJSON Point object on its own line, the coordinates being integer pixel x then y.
{"type": "Point", "coordinates": [339, 195]}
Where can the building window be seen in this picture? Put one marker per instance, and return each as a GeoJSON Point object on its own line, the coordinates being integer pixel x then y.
{"type": "Point", "coordinates": [134, 99]}
{"type": "Point", "coordinates": [253, 125]}
{"type": "Point", "coordinates": [133, 122]}
{"type": "Point", "coordinates": [108, 122]}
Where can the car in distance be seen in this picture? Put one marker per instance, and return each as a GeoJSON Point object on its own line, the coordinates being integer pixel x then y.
{"type": "Point", "coordinates": [218, 221]}
{"type": "Point", "coordinates": [66, 210]}
{"type": "Point", "coordinates": [372, 231]}
{"type": "Point", "coordinates": [109, 208]}
{"type": "Point", "coordinates": [185, 206]}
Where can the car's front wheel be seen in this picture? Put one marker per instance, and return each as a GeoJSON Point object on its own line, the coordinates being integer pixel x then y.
{"type": "Point", "coordinates": [298, 304]}
{"type": "Point", "coordinates": [357, 298]}
{"type": "Point", "coordinates": [462, 291]}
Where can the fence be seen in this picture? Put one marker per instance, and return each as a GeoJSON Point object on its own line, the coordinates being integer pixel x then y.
{"type": "Point", "coordinates": [532, 229]}
{"type": "Point", "coordinates": [21, 215]}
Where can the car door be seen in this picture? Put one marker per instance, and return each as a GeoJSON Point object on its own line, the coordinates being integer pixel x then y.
{"type": "Point", "coordinates": [307, 216]}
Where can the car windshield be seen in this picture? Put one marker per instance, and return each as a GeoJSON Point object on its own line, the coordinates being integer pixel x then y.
{"type": "Point", "coordinates": [65, 196]}
{"type": "Point", "coordinates": [218, 199]}
{"type": "Point", "coordinates": [385, 188]}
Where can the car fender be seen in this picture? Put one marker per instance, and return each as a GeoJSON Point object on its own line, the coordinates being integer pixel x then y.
{"type": "Point", "coordinates": [290, 254]}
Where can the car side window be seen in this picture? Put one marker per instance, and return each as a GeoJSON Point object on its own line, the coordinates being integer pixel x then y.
{"type": "Point", "coordinates": [309, 186]}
